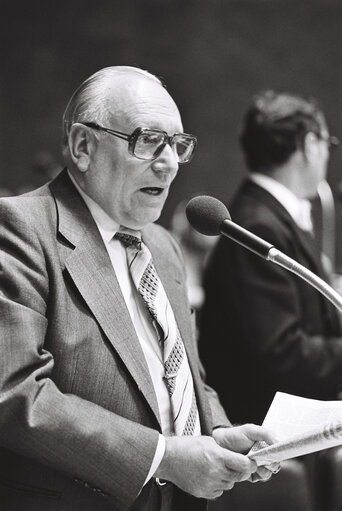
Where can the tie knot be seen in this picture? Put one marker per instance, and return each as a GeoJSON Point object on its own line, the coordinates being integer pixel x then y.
{"type": "Point", "coordinates": [128, 240]}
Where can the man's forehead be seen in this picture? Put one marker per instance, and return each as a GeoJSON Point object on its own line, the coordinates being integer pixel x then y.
{"type": "Point", "coordinates": [141, 96]}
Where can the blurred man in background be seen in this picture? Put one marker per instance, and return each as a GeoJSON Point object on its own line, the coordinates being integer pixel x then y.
{"type": "Point", "coordinates": [277, 332]}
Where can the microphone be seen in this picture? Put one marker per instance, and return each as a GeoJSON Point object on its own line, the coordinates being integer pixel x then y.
{"type": "Point", "coordinates": [210, 216]}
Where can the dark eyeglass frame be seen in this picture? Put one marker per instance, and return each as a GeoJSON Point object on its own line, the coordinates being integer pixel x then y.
{"type": "Point", "coordinates": [132, 139]}
{"type": "Point", "coordinates": [330, 140]}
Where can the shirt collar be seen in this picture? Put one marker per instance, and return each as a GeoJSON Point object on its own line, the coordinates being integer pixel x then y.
{"type": "Point", "coordinates": [293, 204]}
{"type": "Point", "coordinates": [106, 225]}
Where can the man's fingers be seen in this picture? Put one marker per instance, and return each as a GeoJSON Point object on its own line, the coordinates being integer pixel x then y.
{"type": "Point", "coordinates": [216, 494]}
{"type": "Point", "coordinates": [232, 476]}
{"type": "Point", "coordinates": [259, 433]}
{"type": "Point", "coordinates": [265, 473]}
{"type": "Point", "coordinates": [239, 463]}
{"type": "Point", "coordinates": [229, 486]}
{"type": "Point", "coordinates": [225, 486]}
{"type": "Point", "coordinates": [274, 467]}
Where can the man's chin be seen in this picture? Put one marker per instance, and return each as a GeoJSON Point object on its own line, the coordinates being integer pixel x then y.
{"type": "Point", "coordinates": [144, 218]}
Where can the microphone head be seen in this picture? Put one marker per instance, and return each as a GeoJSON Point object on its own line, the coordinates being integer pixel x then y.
{"type": "Point", "coordinates": [206, 214]}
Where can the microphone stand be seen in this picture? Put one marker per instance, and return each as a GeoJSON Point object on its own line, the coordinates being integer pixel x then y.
{"type": "Point", "coordinates": [290, 264]}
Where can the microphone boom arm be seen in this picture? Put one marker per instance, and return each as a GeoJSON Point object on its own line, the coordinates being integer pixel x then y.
{"type": "Point", "coordinates": [290, 264]}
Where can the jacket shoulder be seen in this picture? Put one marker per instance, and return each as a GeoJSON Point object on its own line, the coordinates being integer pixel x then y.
{"type": "Point", "coordinates": [32, 211]}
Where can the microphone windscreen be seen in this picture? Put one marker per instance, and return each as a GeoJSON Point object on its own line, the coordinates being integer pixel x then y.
{"type": "Point", "coordinates": [206, 214]}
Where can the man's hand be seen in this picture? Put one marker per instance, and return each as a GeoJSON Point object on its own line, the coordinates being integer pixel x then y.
{"type": "Point", "coordinates": [201, 467]}
{"type": "Point", "coordinates": [241, 439]}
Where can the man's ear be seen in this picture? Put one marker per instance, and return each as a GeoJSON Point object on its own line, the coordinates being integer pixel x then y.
{"type": "Point", "coordinates": [310, 146]}
{"type": "Point", "coordinates": [80, 143]}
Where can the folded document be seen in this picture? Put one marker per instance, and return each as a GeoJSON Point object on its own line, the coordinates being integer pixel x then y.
{"type": "Point", "coordinates": [302, 426]}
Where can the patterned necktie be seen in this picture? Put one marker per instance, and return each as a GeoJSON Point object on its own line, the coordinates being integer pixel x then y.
{"type": "Point", "coordinates": [178, 376]}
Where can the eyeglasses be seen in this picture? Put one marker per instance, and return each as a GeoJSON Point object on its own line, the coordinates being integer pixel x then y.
{"type": "Point", "coordinates": [147, 143]}
{"type": "Point", "coordinates": [331, 141]}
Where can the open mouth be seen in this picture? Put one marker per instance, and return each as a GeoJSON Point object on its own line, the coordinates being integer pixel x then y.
{"type": "Point", "coordinates": [154, 190]}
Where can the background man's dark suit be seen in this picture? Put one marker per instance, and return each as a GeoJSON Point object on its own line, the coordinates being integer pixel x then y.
{"type": "Point", "coordinates": [262, 328]}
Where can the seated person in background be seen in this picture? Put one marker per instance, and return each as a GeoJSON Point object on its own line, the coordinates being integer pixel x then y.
{"type": "Point", "coordinates": [262, 328]}
{"type": "Point", "coordinates": [102, 401]}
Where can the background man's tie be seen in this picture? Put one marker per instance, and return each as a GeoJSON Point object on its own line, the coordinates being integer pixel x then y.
{"type": "Point", "coordinates": [177, 371]}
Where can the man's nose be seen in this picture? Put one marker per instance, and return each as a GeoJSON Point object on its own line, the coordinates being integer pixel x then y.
{"type": "Point", "coordinates": [167, 161]}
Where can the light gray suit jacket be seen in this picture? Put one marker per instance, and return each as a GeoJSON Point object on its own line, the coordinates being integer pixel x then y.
{"type": "Point", "coordinates": [79, 419]}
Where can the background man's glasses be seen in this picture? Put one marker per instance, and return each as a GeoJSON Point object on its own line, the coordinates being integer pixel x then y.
{"type": "Point", "coordinates": [147, 144]}
{"type": "Point", "coordinates": [331, 141]}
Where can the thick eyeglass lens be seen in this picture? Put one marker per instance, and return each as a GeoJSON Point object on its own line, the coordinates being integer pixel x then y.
{"type": "Point", "coordinates": [184, 147]}
{"type": "Point", "coordinates": [147, 144]}
{"type": "Point", "coordinates": [150, 143]}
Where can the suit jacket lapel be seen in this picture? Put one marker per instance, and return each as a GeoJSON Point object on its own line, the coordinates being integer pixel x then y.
{"type": "Point", "coordinates": [90, 268]}
{"type": "Point", "coordinates": [303, 238]}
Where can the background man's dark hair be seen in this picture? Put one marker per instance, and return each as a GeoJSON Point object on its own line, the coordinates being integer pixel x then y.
{"type": "Point", "coordinates": [274, 127]}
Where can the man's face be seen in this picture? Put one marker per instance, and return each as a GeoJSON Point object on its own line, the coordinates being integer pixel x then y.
{"type": "Point", "coordinates": [319, 165]}
{"type": "Point", "coordinates": [130, 190]}
{"type": "Point", "coordinates": [317, 157]}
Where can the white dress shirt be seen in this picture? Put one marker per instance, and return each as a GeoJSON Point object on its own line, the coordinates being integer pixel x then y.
{"type": "Point", "coordinates": [140, 317]}
{"type": "Point", "coordinates": [299, 209]}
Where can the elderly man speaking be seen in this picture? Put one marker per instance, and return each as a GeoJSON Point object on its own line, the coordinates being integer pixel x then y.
{"type": "Point", "coordinates": [102, 402]}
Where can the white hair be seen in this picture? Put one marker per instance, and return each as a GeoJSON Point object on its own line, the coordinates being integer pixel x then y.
{"type": "Point", "coordinates": [88, 102]}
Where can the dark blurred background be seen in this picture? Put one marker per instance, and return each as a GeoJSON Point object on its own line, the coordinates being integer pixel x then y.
{"type": "Point", "coordinates": [213, 54]}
